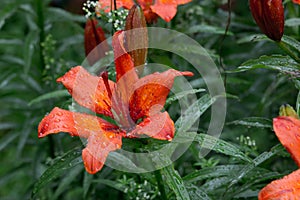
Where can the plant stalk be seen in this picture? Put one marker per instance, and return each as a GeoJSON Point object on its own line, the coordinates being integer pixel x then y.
{"type": "Point", "coordinates": [288, 51]}
{"type": "Point", "coordinates": [160, 184]}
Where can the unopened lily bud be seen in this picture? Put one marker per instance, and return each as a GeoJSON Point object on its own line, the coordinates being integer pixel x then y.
{"type": "Point", "coordinates": [269, 16]}
{"type": "Point", "coordinates": [93, 36]}
{"type": "Point", "coordinates": [136, 35]}
{"type": "Point", "coordinates": [288, 111]}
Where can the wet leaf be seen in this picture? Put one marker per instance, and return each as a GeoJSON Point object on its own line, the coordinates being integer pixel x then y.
{"type": "Point", "coordinates": [257, 122]}
{"type": "Point", "coordinates": [50, 95]}
{"type": "Point", "coordinates": [59, 166]}
{"type": "Point", "coordinates": [175, 182]}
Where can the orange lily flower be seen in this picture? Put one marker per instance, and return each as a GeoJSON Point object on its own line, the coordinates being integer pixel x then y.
{"type": "Point", "coordinates": [286, 188]}
{"type": "Point", "coordinates": [287, 130]}
{"type": "Point", "coordinates": [128, 101]}
{"type": "Point", "coordinates": [296, 1]}
{"type": "Point", "coordinates": [166, 9]}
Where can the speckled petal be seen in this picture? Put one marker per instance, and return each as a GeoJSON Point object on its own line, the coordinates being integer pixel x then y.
{"type": "Point", "coordinates": [287, 130]}
{"type": "Point", "coordinates": [286, 188]}
{"type": "Point", "coordinates": [150, 92]}
{"type": "Point", "coordinates": [158, 125]}
{"type": "Point", "coordinates": [89, 91]}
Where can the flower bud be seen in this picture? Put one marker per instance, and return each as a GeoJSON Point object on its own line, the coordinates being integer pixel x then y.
{"type": "Point", "coordinates": [288, 111]}
{"type": "Point", "coordinates": [93, 36]}
{"type": "Point", "coordinates": [136, 36]}
{"type": "Point", "coordinates": [269, 16]}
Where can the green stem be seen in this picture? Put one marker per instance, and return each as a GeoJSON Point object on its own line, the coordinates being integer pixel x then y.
{"type": "Point", "coordinates": [287, 50]}
{"type": "Point", "coordinates": [160, 184]}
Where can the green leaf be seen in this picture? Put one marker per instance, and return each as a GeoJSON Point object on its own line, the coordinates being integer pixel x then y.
{"type": "Point", "coordinates": [175, 182]}
{"type": "Point", "coordinates": [57, 14]}
{"type": "Point", "coordinates": [207, 29]}
{"type": "Point", "coordinates": [211, 185]}
{"type": "Point", "coordinates": [291, 42]}
{"type": "Point", "coordinates": [5, 12]}
{"type": "Point", "coordinates": [212, 172]}
{"type": "Point", "coordinates": [257, 161]}
{"type": "Point", "coordinates": [113, 184]}
{"type": "Point", "coordinates": [283, 64]}
{"type": "Point", "coordinates": [67, 180]}
{"type": "Point", "coordinates": [220, 146]}
{"type": "Point", "coordinates": [182, 94]}
{"type": "Point", "coordinates": [10, 42]}
{"type": "Point", "coordinates": [118, 159]}
{"type": "Point", "coordinates": [252, 38]}
{"type": "Point", "coordinates": [50, 95]}
{"type": "Point", "coordinates": [30, 42]}
{"type": "Point", "coordinates": [87, 181]}
{"type": "Point", "coordinates": [292, 22]}
{"type": "Point", "coordinates": [60, 165]}
{"type": "Point", "coordinates": [192, 114]}
{"type": "Point", "coordinates": [258, 122]}
{"type": "Point", "coordinates": [7, 139]}
{"type": "Point", "coordinates": [196, 192]}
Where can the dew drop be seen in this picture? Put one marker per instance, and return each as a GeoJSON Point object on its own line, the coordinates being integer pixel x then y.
{"type": "Point", "coordinates": [59, 114]}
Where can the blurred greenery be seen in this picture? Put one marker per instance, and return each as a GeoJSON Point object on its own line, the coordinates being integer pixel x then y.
{"type": "Point", "coordinates": [39, 43]}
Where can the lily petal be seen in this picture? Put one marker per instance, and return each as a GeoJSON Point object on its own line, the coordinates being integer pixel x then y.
{"type": "Point", "coordinates": [89, 91]}
{"type": "Point", "coordinates": [287, 130]}
{"type": "Point", "coordinates": [166, 9]}
{"type": "Point", "coordinates": [97, 150]}
{"type": "Point", "coordinates": [103, 137]}
{"type": "Point", "coordinates": [108, 6]}
{"type": "Point", "coordinates": [123, 60]}
{"type": "Point", "coordinates": [159, 126]}
{"type": "Point", "coordinates": [150, 92]}
{"type": "Point", "coordinates": [286, 188]}
{"type": "Point", "coordinates": [76, 124]}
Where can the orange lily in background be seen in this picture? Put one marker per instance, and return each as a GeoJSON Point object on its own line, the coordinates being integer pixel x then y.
{"type": "Point", "coordinates": [296, 1]}
{"type": "Point", "coordinates": [166, 9]}
{"type": "Point", "coordinates": [285, 188]}
{"type": "Point", "coordinates": [287, 130]}
{"type": "Point", "coordinates": [134, 103]}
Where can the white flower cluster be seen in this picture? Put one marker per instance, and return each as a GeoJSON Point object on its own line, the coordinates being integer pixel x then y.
{"type": "Point", "coordinates": [246, 141]}
{"type": "Point", "coordinates": [117, 17]}
{"type": "Point", "coordinates": [88, 6]}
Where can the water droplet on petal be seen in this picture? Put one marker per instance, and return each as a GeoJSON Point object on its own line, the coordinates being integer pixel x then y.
{"type": "Point", "coordinates": [59, 114]}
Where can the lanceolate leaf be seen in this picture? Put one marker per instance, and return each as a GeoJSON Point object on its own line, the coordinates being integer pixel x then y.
{"type": "Point", "coordinates": [220, 146]}
{"type": "Point", "coordinates": [182, 94]}
{"type": "Point", "coordinates": [212, 172]}
{"type": "Point", "coordinates": [50, 95]}
{"type": "Point", "coordinates": [291, 42]}
{"type": "Point", "coordinates": [175, 182]}
{"type": "Point", "coordinates": [292, 22]}
{"type": "Point", "coordinates": [67, 180]}
{"type": "Point", "coordinates": [196, 193]}
{"type": "Point", "coordinates": [283, 64]}
{"type": "Point", "coordinates": [257, 161]}
{"type": "Point", "coordinates": [192, 114]}
{"type": "Point", "coordinates": [257, 122]}
{"type": "Point", "coordinates": [60, 165]}
{"type": "Point", "coordinates": [6, 11]}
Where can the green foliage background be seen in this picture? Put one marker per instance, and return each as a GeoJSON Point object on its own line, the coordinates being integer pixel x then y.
{"type": "Point", "coordinates": [39, 43]}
